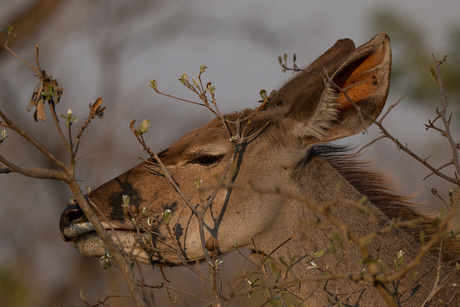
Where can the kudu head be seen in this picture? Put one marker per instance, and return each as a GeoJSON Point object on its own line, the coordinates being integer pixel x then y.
{"type": "Point", "coordinates": [338, 95]}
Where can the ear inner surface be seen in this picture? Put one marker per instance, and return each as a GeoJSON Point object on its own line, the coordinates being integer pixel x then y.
{"type": "Point", "coordinates": [364, 79]}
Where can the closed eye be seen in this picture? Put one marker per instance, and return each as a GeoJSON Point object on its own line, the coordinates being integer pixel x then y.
{"type": "Point", "coordinates": [206, 159]}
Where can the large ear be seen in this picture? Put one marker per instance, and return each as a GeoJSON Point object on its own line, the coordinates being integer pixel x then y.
{"type": "Point", "coordinates": [298, 89]}
{"type": "Point", "coordinates": [332, 101]}
{"type": "Point", "coordinates": [364, 80]}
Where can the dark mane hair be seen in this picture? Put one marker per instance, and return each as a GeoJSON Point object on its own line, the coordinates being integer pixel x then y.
{"type": "Point", "coordinates": [376, 186]}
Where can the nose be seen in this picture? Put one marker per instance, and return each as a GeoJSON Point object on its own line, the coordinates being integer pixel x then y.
{"type": "Point", "coordinates": [70, 214]}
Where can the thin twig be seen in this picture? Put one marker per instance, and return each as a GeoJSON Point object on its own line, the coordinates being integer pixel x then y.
{"type": "Point", "coordinates": [35, 70]}
{"type": "Point", "coordinates": [9, 124]}
{"type": "Point", "coordinates": [58, 128]}
{"type": "Point", "coordinates": [33, 172]}
{"type": "Point", "coordinates": [448, 134]}
{"type": "Point", "coordinates": [66, 175]}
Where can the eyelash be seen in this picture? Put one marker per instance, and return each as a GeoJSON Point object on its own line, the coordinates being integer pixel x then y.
{"type": "Point", "coordinates": [206, 159]}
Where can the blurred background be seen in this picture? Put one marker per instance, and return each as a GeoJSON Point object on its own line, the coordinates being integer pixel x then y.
{"type": "Point", "coordinates": [111, 49]}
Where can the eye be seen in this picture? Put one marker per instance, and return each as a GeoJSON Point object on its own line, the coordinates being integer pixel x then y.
{"type": "Point", "coordinates": [206, 159]}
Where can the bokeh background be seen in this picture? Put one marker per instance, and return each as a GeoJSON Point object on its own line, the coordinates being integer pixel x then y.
{"type": "Point", "coordinates": [113, 48]}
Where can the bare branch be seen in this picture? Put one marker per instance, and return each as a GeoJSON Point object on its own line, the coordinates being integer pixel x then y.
{"type": "Point", "coordinates": [33, 172]}
{"type": "Point", "coordinates": [66, 175]}
{"type": "Point", "coordinates": [9, 124]}
{"type": "Point", "coordinates": [446, 122]}
{"type": "Point", "coordinates": [58, 128]}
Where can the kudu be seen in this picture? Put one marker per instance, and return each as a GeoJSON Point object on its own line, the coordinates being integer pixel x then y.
{"type": "Point", "coordinates": [282, 172]}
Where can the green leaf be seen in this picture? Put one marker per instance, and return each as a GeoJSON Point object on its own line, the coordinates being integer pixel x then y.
{"type": "Point", "coordinates": [209, 88]}
{"type": "Point", "coordinates": [399, 259]}
{"type": "Point", "coordinates": [183, 79]}
{"type": "Point", "coordinates": [104, 261]}
{"type": "Point", "coordinates": [319, 253]}
{"type": "Point", "coordinates": [444, 58]}
{"type": "Point", "coordinates": [49, 93]}
{"type": "Point", "coordinates": [144, 127]}
{"type": "Point", "coordinates": [153, 84]}
{"type": "Point", "coordinates": [126, 200]}
{"type": "Point", "coordinates": [433, 74]}
{"type": "Point", "coordinates": [69, 118]}
{"type": "Point", "coordinates": [9, 31]}
{"type": "Point", "coordinates": [167, 215]}
{"type": "Point", "coordinates": [263, 93]}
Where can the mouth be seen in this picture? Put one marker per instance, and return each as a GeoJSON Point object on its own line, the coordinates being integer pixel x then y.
{"type": "Point", "coordinates": [131, 243]}
{"type": "Point", "coordinates": [72, 231]}
{"type": "Point", "coordinates": [149, 247]}
{"type": "Point", "coordinates": [80, 233]}
{"type": "Point", "coordinates": [137, 244]}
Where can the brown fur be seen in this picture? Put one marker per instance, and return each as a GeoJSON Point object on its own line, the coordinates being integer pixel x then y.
{"type": "Point", "coordinates": [288, 152]}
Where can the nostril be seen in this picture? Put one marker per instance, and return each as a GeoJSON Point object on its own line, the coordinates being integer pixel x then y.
{"type": "Point", "coordinates": [74, 214]}
{"type": "Point", "coordinates": [70, 214]}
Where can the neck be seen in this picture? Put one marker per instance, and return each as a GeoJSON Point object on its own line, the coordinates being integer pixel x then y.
{"type": "Point", "coordinates": [319, 247]}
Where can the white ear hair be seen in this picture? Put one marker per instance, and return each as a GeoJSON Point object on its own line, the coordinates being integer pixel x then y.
{"type": "Point", "coordinates": [353, 93]}
{"type": "Point", "coordinates": [321, 121]}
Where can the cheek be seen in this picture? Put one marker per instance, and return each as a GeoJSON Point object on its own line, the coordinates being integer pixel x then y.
{"type": "Point", "coordinates": [247, 215]}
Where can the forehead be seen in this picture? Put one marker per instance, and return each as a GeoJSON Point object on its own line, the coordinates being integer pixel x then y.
{"type": "Point", "coordinates": [214, 138]}
{"type": "Point", "coordinates": [210, 138]}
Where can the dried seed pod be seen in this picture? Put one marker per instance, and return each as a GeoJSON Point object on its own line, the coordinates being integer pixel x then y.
{"type": "Point", "coordinates": [212, 244]}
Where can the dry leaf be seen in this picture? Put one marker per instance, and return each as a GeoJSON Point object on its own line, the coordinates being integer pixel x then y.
{"type": "Point", "coordinates": [48, 89]}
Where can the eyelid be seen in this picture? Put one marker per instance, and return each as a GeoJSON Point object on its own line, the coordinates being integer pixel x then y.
{"type": "Point", "coordinates": [205, 159]}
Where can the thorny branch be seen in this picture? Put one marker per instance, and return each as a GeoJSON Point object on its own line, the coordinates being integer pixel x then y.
{"type": "Point", "coordinates": [66, 174]}
{"type": "Point", "coordinates": [377, 278]}
{"type": "Point", "coordinates": [7, 123]}
{"type": "Point", "coordinates": [445, 132]}
{"type": "Point", "coordinates": [50, 91]}
{"type": "Point", "coordinates": [435, 238]}
{"type": "Point", "coordinates": [238, 140]}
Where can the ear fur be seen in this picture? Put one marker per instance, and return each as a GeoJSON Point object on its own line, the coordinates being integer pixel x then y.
{"type": "Point", "coordinates": [296, 90]}
{"type": "Point", "coordinates": [341, 93]}
{"type": "Point", "coordinates": [364, 78]}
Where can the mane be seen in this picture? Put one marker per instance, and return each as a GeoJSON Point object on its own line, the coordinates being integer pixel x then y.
{"type": "Point", "coordinates": [376, 186]}
{"type": "Point", "coordinates": [379, 189]}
